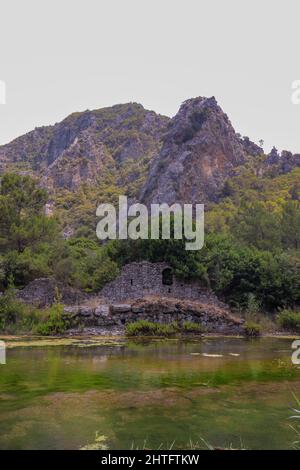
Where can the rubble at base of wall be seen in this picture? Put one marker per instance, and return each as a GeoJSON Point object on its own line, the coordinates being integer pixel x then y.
{"type": "Point", "coordinates": [42, 293]}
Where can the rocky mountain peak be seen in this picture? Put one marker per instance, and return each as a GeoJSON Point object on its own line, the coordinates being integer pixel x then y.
{"type": "Point", "coordinates": [200, 149]}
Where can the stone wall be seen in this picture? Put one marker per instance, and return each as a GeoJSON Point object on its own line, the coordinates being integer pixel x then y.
{"type": "Point", "coordinates": [138, 280]}
{"type": "Point", "coordinates": [163, 310]}
{"type": "Point", "coordinates": [41, 293]}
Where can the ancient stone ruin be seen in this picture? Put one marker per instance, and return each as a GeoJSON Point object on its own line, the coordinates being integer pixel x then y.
{"type": "Point", "coordinates": [42, 292]}
{"type": "Point", "coordinates": [138, 280]}
{"type": "Point", "coordinates": [148, 291]}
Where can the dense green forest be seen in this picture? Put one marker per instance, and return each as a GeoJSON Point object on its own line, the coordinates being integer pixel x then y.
{"type": "Point", "coordinates": [251, 250]}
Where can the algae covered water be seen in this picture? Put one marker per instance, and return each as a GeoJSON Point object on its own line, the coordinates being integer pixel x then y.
{"type": "Point", "coordinates": [118, 394]}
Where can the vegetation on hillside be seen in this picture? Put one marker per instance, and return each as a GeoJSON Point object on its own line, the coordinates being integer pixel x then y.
{"type": "Point", "coordinates": [251, 251]}
{"type": "Point", "coordinates": [32, 245]}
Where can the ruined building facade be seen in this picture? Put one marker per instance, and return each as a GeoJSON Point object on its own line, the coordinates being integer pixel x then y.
{"type": "Point", "coordinates": [138, 280]}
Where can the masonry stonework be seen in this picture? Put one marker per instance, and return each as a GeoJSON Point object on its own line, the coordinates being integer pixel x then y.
{"type": "Point", "coordinates": [212, 318]}
{"type": "Point", "coordinates": [138, 280]}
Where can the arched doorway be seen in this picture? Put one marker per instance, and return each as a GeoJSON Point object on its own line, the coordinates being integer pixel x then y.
{"type": "Point", "coordinates": [167, 277]}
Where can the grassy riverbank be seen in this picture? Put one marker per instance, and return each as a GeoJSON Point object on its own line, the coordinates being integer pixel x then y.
{"type": "Point", "coordinates": [19, 318]}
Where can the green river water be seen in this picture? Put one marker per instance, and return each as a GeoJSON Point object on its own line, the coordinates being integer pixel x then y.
{"type": "Point", "coordinates": [227, 391]}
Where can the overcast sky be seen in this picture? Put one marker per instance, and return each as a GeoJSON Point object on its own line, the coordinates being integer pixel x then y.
{"type": "Point", "coordinates": [61, 56]}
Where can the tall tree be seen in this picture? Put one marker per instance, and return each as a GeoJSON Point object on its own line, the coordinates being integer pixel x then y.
{"type": "Point", "coordinates": [23, 222]}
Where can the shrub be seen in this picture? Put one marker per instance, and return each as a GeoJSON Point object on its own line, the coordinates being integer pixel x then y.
{"type": "Point", "coordinates": [11, 310]}
{"type": "Point", "coordinates": [26, 266]}
{"type": "Point", "coordinates": [84, 264]}
{"type": "Point", "coordinates": [55, 323]}
{"type": "Point", "coordinates": [147, 328]}
{"type": "Point", "coordinates": [192, 327]}
{"type": "Point", "coordinates": [252, 329]}
{"type": "Point", "coordinates": [289, 320]}
{"type": "Point", "coordinates": [16, 316]}
{"type": "Point", "coordinates": [253, 305]}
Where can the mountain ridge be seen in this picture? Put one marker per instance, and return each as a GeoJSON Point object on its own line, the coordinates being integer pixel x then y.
{"type": "Point", "coordinates": [126, 131]}
{"type": "Point", "coordinates": [187, 158]}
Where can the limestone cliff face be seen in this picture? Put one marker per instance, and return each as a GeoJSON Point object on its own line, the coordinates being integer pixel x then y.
{"type": "Point", "coordinates": [200, 150]}
{"type": "Point", "coordinates": [84, 160]}
{"type": "Point", "coordinates": [78, 149]}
